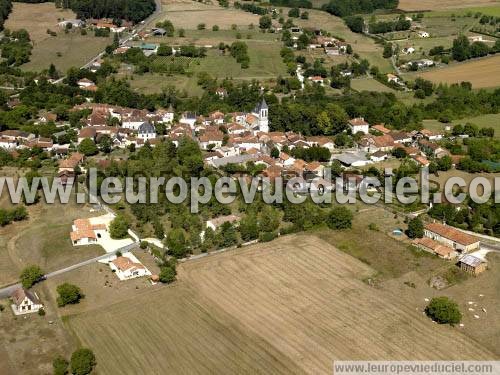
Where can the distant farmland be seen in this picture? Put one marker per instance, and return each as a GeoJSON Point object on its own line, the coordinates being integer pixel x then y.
{"type": "Point", "coordinates": [409, 5]}
{"type": "Point", "coordinates": [482, 73]}
{"type": "Point", "coordinates": [290, 306]}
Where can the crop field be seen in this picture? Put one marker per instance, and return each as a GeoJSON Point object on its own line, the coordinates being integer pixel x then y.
{"type": "Point", "coordinates": [247, 311]}
{"type": "Point", "coordinates": [410, 5]}
{"type": "Point", "coordinates": [482, 73]}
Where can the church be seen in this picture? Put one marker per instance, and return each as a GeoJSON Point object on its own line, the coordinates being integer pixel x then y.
{"type": "Point", "coordinates": [258, 120]}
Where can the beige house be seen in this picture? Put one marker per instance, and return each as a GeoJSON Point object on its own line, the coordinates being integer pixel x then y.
{"type": "Point", "coordinates": [452, 237]}
{"type": "Point", "coordinates": [434, 247]}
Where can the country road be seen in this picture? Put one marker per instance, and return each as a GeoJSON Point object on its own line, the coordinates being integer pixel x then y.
{"type": "Point", "coordinates": [7, 291]}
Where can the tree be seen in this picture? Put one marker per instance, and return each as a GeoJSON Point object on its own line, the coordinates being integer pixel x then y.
{"type": "Point", "coordinates": [399, 153]}
{"type": "Point", "coordinates": [176, 243]}
{"type": "Point", "coordinates": [118, 228]}
{"type": "Point", "coordinates": [88, 147]}
{"type": "Point", "coordinates": [444, 311]}
{"type": "Point", "coordinates": [461, 48]}
{"type": "Point", "coordinates": [415, 228]}
{"type": "Point", "coordinates": [164, 50]}
{"type": "Point", "coordinates": [60, 365]}
{"type": "Point", "coordinates": [339, 218]}
{"type": "Point", "coordinates": [249, 228]}
{"type": "Point", "coordinates": [265, 22]}
{"type": "Point", "coordinates": [294, 13]}
{"type": "Point", "coordinates": [167, 275]}
{"type": "Point", "coordinates": [82, 361]}
{"type": "Point", "coordinates": [30, 276]}
{"type": "Point", "coordinates": [68, 294]}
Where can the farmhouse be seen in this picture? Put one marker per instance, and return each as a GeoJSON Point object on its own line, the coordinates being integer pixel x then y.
{"type": "Point", "coordinates": [472, 265]}
{"type": "Point", "coordinates": [126, 268]}
{"type": "Point", "coordinates": [25, 301]}
{"type": "Point", "coordinates": [434, 247]}
{"type": "Point", "coordinates": [423, 34]}
{"type": "Point", "coordinates": [451, 237]}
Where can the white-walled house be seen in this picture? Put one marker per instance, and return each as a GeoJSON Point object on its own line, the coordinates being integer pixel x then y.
{"type": "Point", "coordinates": [359, 124]}
{"type": "Point", "coordinates": [146, 131]}
{"type": "Point", "coordinates": [452, 237]}
{"type": "Point", "coordinates": [126, 268]}
{"type": "Point", "coordinates": [215, 223]}
{"type": "Point", "coordinates": [25, 302]}
{"type": "Point", "coordinates": [86, 233]}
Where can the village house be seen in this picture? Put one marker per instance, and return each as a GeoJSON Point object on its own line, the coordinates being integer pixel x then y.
{"type": "Point", "coordinates": [146, 131]}
{"type": "Point", "coordinates": [420, 160]}
{"type": "Point", "coordinates": [188, 118]}
{"type": "Point", "coordinates": [472, 265]}
{"type": "Point", "coordinates": [433, 149]}
{"type": "Point", "coordinates": [378, 156]}
{"type": "Point", "coordinates": [25, 301]}
{"type": "Point", "coordinates": [452, 237]}
{"type": "Point", "coordinates": [381, 128]}
{"type": "Point", "coordinates": [358, 124]}
{"type": "Point", "coordinates": [69, 164]}
{"type": "Point", "coordinates": [212, 139]}
{"type": "Point", "coordinates": [317, 80]}
{"type": "Point", "coordinates": [434, 247]}
{"type": "Point", "coordinates": [86, 233]}
{"type": "Point", "coordinates": [126, 268]}
{"type": "Point", "coordinates": [215, 223]}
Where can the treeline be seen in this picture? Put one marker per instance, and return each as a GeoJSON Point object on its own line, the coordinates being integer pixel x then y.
{"type": "Point", "coordinates": [480, 218]}
{"type": "Point", "coordinates": [314, 153]}
{"type": "Point", "coordinates": [389, 26]}
{"type": "Point", "coordinates": [130, 10]}
{"type": "Point", "coordinates": [463, 49]}
{"type": "Point", "coordinates": [292, 3]}
{"type": "Point", "coordinates": [5, 9]}
{"type": "Point", "coordinates": [16, 47]}
{"type": "Point", "coordinates": [251, 8]}
{"type": "Point", "coordinates": [343, 8]}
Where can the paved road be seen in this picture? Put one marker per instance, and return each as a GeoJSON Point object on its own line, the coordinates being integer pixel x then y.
{"type": "Point", "coordinates": [7, 291]}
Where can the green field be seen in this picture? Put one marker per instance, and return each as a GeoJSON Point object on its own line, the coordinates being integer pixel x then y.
{"type": "Point", "coordinates": [369, 84]}
{"type": "Point", "coordinates": [483, 121]}
{"type": "Point", "coordinates": [65, 51]}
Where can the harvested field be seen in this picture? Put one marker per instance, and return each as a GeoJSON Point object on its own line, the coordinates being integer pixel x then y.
{"type": "Point", "coordinates": [247, 311]}
{"type": "Point", "coordinates": [188, 14]}
{"type": "Point", "coordinates": [482, 73]}
{"type": "Point", "coordinates": [410, 5]}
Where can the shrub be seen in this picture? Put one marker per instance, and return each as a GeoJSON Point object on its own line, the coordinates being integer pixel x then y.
{"type": "Point", "coordinates": [267, 236]}
{"type": "Point", "coordinates": [82, 361]}
{"type": "Point", "coordinates": [68, 294]}
{"type": "Point", "coordinates": [339, 218]}
{"type": "Point", "coordinates": [60, 365]}
{"type": "Point", "coordinates": [167, 275]}
{"type": "Point", "coordinates": [118, 228]}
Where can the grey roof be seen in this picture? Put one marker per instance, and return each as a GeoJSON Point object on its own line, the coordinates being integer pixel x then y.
{"type": "Point", "coordinates": [350, 158]}
{"type": "Point", "coordinates": [237, 159]}
{"type": "Point", "coordinates": [146, 128]}
{"type": "Point", "coordinates": [260, 106]}
{"type": "Point", "coordinates": [471, 260]}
